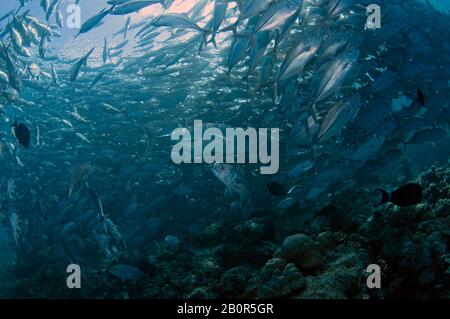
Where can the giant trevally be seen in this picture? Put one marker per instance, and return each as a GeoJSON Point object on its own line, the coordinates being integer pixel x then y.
{"type": "Point", "coordinates": [13, 222]}
{"type": "Point", "coordinates": [79, 176]}
{"type": "Point", "coordinates": [93, 22]}
{"type": "Point", "coordinates": [41, 28]}
{"type": "Point", "coordinates": [219, 14]}
{"type": "Point", "coordinates": [283, 32]}
{"type": "Point", "coordinates": [336, 74]}
{"type": "Point", "coordinates": [132, 6]}
{"type": "Point", "coordinates": [238, 51]}
{"type": "Point", "coordinates": [97, 79]}
{"type": "Point", "coordinates": [54, 75]}
{"type": "Point", "coordinates": [257, 50]}
{"type": "Point", "coordinates": [58, 16]}
{"type": "Point", "coordinates": [301, 168]}
{"type": "Point", "coordinates": [392, 92]}
{"type": "Point", "coordinates": [367, 150]}
{"type": "Point", "coordinates": [277, 15]}
{"type": "Point", "coordinates": [432, 135]}
{"type": "Point", "coordinates": [235, 181]}
{"type": "Point", "coordinates": [76, 68]}
{"type": "Point", "coordinates": [332, 46]}
{"type": "Point", "coordinates": [15, 79]}
{"type": "Point", "coordinates": [120, 45]}
{"type": "Point", "coordinates": [176, 58]}
{"type": "Point", "coordinates": [267, 68]}
{"type": "Point", "coordinates": [15, 36]}
{"type": "Point", "coordinates": [337, 7]}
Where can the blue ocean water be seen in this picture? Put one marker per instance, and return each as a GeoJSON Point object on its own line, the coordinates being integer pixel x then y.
{"type": "Point", "coordinates": [441, 5]}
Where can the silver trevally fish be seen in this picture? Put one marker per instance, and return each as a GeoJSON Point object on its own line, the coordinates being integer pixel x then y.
{"type": "Point", "coordinates": [93, 22]}
{"type": "Point", "coordinates": [277, 15]}
{"type": "Point", "coordinates": [132, 6]}
{"type": "Point", "coordinates": [253, 8]}
{"type": "Point", "coordinates": [298, 57]}
{"type": "Point", "coordinates": [220, 12]}
{"type": "Point", "coordinates": [178, 20]}
{"type": "Point", "coordinates": [234, 180]}
{"type": "Point", "coordinates": [76, 68]}
{"type": "Point", "coordinates": [337, 117]}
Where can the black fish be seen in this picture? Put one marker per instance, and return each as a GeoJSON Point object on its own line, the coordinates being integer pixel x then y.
{"type": "Point", "coordinates": [276, 189]}
{"type": "Point", "coordinates": [408, 195]}
{"type": "Point", "coordinates": [420, 97]}
{"type": "Point", "coordinates": [328, 210]}
{"type": "Point", "coordinates": [22, 134]}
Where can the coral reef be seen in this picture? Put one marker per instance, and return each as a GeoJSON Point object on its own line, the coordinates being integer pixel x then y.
{"type": "Point", "coordinates": [262, 257]}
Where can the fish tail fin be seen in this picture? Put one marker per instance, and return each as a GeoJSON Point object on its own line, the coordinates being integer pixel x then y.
{"type": "Point", "coordinates": [232, 28]}
{"type": "Point", "coordinates": [213, 40]}
{"type": "Point", "coordinates": [205, 34]}
{"type": "Point", "coordinates": [384, 196]}
{"type": "Point", "coordinates": [325, 26]}
{"type": "Point", "coordinates": [18, 10]}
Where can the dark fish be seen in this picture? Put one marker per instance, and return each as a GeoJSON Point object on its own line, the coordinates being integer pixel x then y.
{"type": "Point", "coordinates": [420, 97]}
{"type": "Point", "coordinates": [408, 195]}
{"type": "Point", "coordinates": [22, 133]}
{"type": "Point", "coordinates": [276, 189]}
{"type": "Point", "coordinates": [328, 210]}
